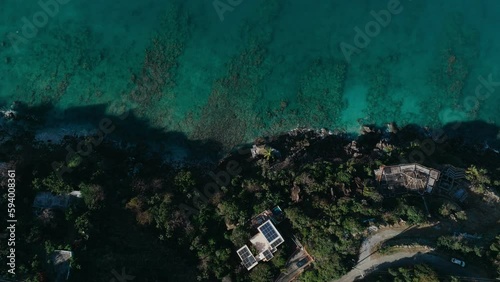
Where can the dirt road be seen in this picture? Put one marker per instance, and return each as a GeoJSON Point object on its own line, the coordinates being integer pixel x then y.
{"type": "Point", "coordinates": [367, 261]}
{"type": "Point", "coordinates": [368, 247]}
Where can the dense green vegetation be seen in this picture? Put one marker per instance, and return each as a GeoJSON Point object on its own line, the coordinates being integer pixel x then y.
{"type": "Point", "coordinates": [167, 223]}
{"type": "Point", "coordinates": [494, 253]}
{"type": "Point", "coordinates": [415, 273]}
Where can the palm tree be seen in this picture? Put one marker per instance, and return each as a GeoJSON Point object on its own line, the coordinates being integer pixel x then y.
{"type": "Point", "coordinates": [268, 153]}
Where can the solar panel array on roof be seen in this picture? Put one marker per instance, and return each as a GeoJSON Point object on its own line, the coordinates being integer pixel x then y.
{"type": "Point", "coordinates": [269, 231]}
{"type": "Point", "coordinates": [246, 257]}
{"type": "Point", "coordinates": [268, 254]}
{"type": "Point", "coordinates": [277, 243]}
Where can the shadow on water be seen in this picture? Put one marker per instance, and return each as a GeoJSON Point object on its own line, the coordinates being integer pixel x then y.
{"type": "Point", "coordinates": [127, 130]}
{"type": "Point", "coordinates": [137, 131]}
{"type": "Point", "coordinates": [474, 132]}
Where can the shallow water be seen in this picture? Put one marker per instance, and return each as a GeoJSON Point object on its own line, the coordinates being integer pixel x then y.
{"type": "Point", "coordinates": [268, 67]}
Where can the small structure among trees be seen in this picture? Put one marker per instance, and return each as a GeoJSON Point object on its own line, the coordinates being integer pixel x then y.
{"type": "Point", "coordinates": [60, 260]}
{"type": "Point", "coordinates": [453, 183]}
{"type": "Point", "coordinates": [275, 215]}
{"type": "Point", "coordinates": [47, 200]}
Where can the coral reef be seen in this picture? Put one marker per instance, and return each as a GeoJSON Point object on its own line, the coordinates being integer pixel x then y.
{"type": "Point", "coordinates": [320, 93]}
{"type": "Point", "coordinates": [456, 55]}
{"type": "Point", "coordinates": [153, 87]}
{"type": "Point", "coordinates": [382, 107]}
{"type": "Point", "coordinates": [231, 114]}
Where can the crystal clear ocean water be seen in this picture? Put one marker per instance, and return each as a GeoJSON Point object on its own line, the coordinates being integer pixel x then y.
{"type": "Point", "coordinates": [235, 70]}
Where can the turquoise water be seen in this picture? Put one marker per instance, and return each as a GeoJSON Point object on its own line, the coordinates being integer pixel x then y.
{"type": "Point", "coordinates": [268, 67]}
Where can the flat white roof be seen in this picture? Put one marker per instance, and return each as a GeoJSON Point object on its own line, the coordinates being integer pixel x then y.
{"type": "Point", "coordinates": [260, 242]}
